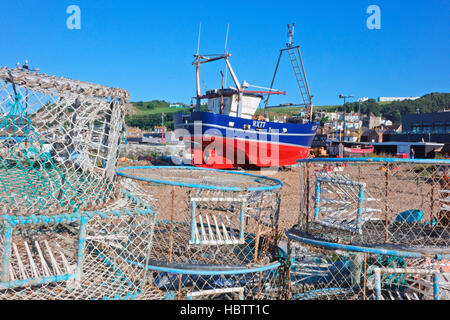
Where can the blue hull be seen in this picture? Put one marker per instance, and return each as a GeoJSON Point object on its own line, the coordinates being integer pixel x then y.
{"type": "Point", "coordinates": [292, 141]}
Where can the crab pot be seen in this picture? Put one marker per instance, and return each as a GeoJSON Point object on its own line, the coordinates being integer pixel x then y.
{"type": "Point", "coordinates": [193, 282]}
{"type": "Point", "coordinates": [376, 202]}
{"type": "Point", "coordinates": [211, 217]}
{"type": "Point", "coordinates": [322, 270]}
{"type": "Point", "coordinates": [84, 255]}
{"type": "Point", "coordinates": [60, 142]}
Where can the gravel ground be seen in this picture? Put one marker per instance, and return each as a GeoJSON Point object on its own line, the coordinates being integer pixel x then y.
{"type": "Point", "coordinates": [407, 190]}
{"type": "Point", "coordinates": [290, 197]}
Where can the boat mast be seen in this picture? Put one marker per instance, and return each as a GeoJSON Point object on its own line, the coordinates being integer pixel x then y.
{"type": "Point", "coordinates": [240, 88]}
{"type": "Point", "coordinates": [197, 69]}
{"type": "Point", "coordinates": [221, 93]}
{"type": "Point", "coordinates": [299, 71]}
{"type": "Point", "coordinates": [200, 59]}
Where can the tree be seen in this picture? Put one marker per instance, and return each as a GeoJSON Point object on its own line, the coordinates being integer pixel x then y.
{"type": "Point", "coordinates": [323, 121]}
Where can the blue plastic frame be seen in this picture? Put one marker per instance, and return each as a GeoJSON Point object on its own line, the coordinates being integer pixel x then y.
{"type": "Point", "coordinates": [375, 160]}
{"type": "Point", "coordinates": [9, 222]}
{"type": "Point", "coordinates": [199, 186]}
{"type": "Point", "coordinates": [373, 250]}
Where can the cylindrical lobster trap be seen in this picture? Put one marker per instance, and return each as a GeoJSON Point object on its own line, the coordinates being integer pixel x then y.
{"type": "Point", "coordinates": [321, 270]}
{"type": "Point", "coordinates": [83, 255]}
{"type": "Point", "coordinates": [67, 230]}
{"type": "Point", "coordinates": [59, 142]}
{"type": "Point", "coordinates": [371, 228]}
{"type": "Point", "coordinates": [217, 232]}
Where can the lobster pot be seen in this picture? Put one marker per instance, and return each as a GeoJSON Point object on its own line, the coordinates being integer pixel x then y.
{"type": "Point", "coordinates": [59, 142]}
{"type": "Point", "coordinates": [211, 217]}
{"type": "Point", "coordinates": [217, 283]}
{"type": "Point", "coordinates": [92, 254]}
{"type": "Point", "coordinates": [322, 270]}
{"type": "Point", "coordinates": [376, 202]}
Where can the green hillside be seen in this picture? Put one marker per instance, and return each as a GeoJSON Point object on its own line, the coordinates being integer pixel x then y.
{"type": "Point", "coordinates": [393, 111]}
{"type": "Point", "coordinates": [290, 111]}
{"type": "Point", "coordinates": [154, 107]}
{"type": "Point", "coordinates": [149, 113]}
{"type": "Point", "coordinates": [389, 110]}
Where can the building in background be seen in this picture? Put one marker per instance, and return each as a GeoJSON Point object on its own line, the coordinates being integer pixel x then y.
{"type": "Point", "coordinates": [371, 121]}
{"type": "Point", "coordinates": [391, 99]}
{"type": "Point", "coordinates": [430, 131]}
{"type": "Point", "coordinates": [425, 123]}
{"type": "Point", "coordinates": [178, 105]}
{"type": "Point", "coordinates": [372, 135]}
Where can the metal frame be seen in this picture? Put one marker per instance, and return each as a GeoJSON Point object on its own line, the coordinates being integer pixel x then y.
{"type": "Point", "coordinates": [375, 160]}
{"type": "Point", "coordinates": [435, 273]}
{"type": "Point", "coordinates": [295, 235]}
{"type": "Point", "coordinates": [200, 237]}
{"type": "Point", "coordinates": [278, 185]}
{"type": "Point", "coordinates": [73, 279]}
{"type": "Point", "coordinates": [359, 212]}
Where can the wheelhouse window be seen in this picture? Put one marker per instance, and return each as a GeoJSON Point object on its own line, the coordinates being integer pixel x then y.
{"type": "Point", "coordinates": [416, 127]}
{"type": "Point", "coordinates": [439, 127]}
{"type": "Point", "coordinates": [427, 127]}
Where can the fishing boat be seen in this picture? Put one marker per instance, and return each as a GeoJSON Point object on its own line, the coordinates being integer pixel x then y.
{"type": "Point", "coordinates": [229, 135]}
{"type": "Point", "coordinates": [349, 149]}
{"type": "Point", "coordinates": [359, 150]}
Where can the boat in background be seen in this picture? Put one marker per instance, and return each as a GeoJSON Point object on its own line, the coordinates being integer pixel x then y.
{"type": "Point", "coordinates": [349, 149]}
{"type": "Point", "coordinates": [229, 135]}
{"type": "Point", "coordinates": [358, 151]}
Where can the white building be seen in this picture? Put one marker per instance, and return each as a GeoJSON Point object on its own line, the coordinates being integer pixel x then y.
{"type": "Point", "coordinates": [390, 99]}
{"type": "Point", "coordinates": [386, 122]}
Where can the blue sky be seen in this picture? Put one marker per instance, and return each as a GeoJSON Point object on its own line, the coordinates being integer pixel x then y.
{"type": "Point", "coordinates": [147, 47]}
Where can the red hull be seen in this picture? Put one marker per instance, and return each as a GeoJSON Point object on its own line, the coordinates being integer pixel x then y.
{"type": "Point", "coordinates": [359, 150]}
{"type": "Point", "coordinates": [225, 153]}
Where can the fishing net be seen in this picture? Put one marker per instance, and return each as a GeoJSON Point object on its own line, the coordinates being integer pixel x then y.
{"type": "Point", "coordinates": [67, 229]}
{"type": "Point", "coordinates": [217, 283]}
{"type": "Point", "coordinates": [329, 271]}
{"type": "Point", "coordinates": [59, 142]}
{"type": "Point", "coordinates": [87, 255]}
{"type": "Point", "coordinates": [210, 223]}
{"type": "Point", "coordinates": [371, 229]}
{"type": "Point", "coordinates": [377, 202]}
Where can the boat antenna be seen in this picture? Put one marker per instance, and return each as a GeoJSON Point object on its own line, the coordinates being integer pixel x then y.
{"type": "Point", "coordinates": [226, 42]}
{"type": "Point", "coordinates": [290, 35]}
{"type": "Point", "coordinates": [199, 34]}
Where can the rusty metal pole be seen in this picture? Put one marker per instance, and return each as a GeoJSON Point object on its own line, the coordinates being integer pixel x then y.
{"type": "Point", "coordinates": [308, 183]}
{"type": "Point", "coordinates": [386, 196]}
{"type": "Point", "coordinates": [276, 221]}
{"type": "Point", "coordinates": [171, 226]}
{"type": "Point", "coordinates": [258, 234]}
{"type": "Point", "coordinates": [365, 277]}
{"type": "Point", "coordinates": [259, 285]}
{"type": "Point", "coordinates": [179, 286]}
{"type": "Point", "coordinates": [271, 84]}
